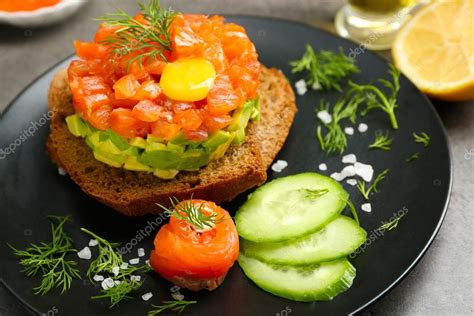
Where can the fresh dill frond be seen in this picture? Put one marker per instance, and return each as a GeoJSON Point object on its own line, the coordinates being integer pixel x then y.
{"type": "Point", "coordinates": [325, 69]}
{"type": "Point", "coordinates": [415, 156]}
{"type": "Point", "coordinates": [335, 140]}
{"type": "Point", "coordinates": [120, 292]}
{"type": "Point", "coordinates": [382, 141]}
{"type": "Point", "coordinates": [49, 259]}
{"type": "Point", "coordinates": [392, 224]}
{"type": "Point", "coordinates": [361, 185]}
{"type": "Point", "coordinates": [174, 306]}
{"type": "Point", "coordinates": [353, 211]}
{"type": "Point", "coordinates": [107, 259]}
{"type": "Point", "coordinates": [193, 214]}
{"type": "Point", "coordinates": [150, 39]}
{"type": "Point", "coordinates": [377, 99]}
{"type": "Point", "coordinates": [423, 138]}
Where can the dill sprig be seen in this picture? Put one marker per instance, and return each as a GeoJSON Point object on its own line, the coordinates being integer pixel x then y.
{"type": "Point", "coordinates": [325, 69]}
{"type": "Point", "coordinates": [193, 214]}
{"type": "Point", "coordinates": [423, 138]}
{"type": "Point", "coordinates": [415, 156]}
{"type": "Point", "coordinates": [377, 99]}
{"type": "Point", "coordinates": [382, 141]}
{"type": "Point", "coordinates": [49, 259]}
{"type": "Point", "coordinates": [391, 224]}
{"type": "Point", "coordinates": [361, 185]}
{"type": "Point", "coordinates": [174, 306]}
{"type": "Point", "coordinates": [335, 140]}
{"type": "Point", "coordinates": [150, 39]}
{"type": "Point", "coordinates": [106, 260]}
{"type": "Point", "coordinates": [120, 292]}
{"type": "Point", "coordinates": [353, 211]}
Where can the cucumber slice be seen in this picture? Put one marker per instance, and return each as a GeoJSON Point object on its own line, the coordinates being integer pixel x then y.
{"type": "Point", "coordinates": [319, 282]}
{"type": "Point", "coordinates": [290, 207]}
{"type": "Point", "coordinates": [336, 240]}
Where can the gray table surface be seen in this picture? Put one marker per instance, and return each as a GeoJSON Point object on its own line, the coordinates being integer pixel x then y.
{"type": "Point", "coordinates": [441, 284]}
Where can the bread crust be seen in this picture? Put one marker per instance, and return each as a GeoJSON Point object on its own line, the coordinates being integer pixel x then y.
{"type": "Point", "coordinates": [138, 193]}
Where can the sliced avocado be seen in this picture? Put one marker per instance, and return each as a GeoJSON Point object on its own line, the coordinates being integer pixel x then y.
{"type": "Point", "coordinates": [217, 139]}
{"type": "Point", "coordinates": [138, 142]}
{"type": "Point", "coordinates": [93, 140]}
{"type": "Point", "coordinates": [193, 159]}
{"type": "Point", "coordinates": [220, 151]}
{"type": "Point", "coordinates": [109, 159]}
{"type": "Point", "coordinates": [241, 119]}
{"type": "Point", "coordinates": [132, 151]}
{"type": "Point", "coordinates": [177, 148]}
{"type": "Point", "coordinates": [255, 116]}
{"type": "Point", "coordinates": [131, 163]}
{"type": "Point", "coordinates": [150, 139]}
{"type": "Point", "coordinates": [109, 147]}
{"type": "Point", "coordinates": [118, 140]}
{"type": "Point", "coordinates": [181, 139]}
{"type": "Point", "coordinates": [166, 174]}
{"type": "Point", "coordinates": [76, 125]}
{"type": "Point", "coordinates": [161, 159]}
{"type": "Point", "coordinates": [155, 147]}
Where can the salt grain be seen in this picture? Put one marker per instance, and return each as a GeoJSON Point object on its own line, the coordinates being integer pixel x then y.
{"type": "Point", "coordinates": [135, 278]}
{"type": "Point", "coordinates": [108, 284]}
{"type": "Point", "coordinates": [365, 171]}
{"type": "Point", "coordinates": [147, 296]}
{"type": "Point", "coordinates": [323, 167]}
{"type": "Point", "coordinates": [324, 116]}
{"type": "Point", "coordinates": [350, 158]}
{"type": "Point", "coordinates": [363, 128]}
{"type": "Point", "coordinates": [301, 87]}
{"type": "Point", "coordinates": [134, 261]}
{"type": "Point", "coordinates": [367, 207]}
{"type": "Point", "coordinates": [85, 253]}
{"type": "Point", "coordinates": [141, 252]}
{"type": "Point", "coordinates": [352, 182]}
{"type": "Point", "coordinates": [115, 270]}
{"type": "Point", "coordinates": [349, 130]}
{"type": "Point", "coordinates": [279, 165]}
{"type": "Point", "coordinates": [93, 242]}
{"type": "Point", "coordinates": [98, 278]}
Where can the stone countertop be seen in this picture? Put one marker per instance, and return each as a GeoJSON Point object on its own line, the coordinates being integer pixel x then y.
{"type": "Point", "coordinates": [441, 284]}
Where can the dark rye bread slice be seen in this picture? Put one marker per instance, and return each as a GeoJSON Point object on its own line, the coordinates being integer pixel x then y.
{"type": "Point", "coordinates": [138, 193]}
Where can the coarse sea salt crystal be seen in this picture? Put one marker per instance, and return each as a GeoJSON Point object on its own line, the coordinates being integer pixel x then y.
{"type": "Point", "coordinates": [352, 182]}
{"type": "Point", "coordinates": [323, 167]}
{"type": "Point", "coordinates": [349, 130]}
{"type": "Point", "coordinates": [98, 278]}
{"type": "Point", "coordinates": [117, 282]}
{"type": "Point", "coordinates": [93, 242]}
{"type": "Point", "coordinates": [141, 252]}
{"type": "Point", "coordinates": [363, 128]}
{"type": "Point", "coordinates": [365, 171]}
{"type": "Point", "coordinates": [177, 296]}
{"type": "Point", "coordinates": [350, 158]}
{"type": "Point", "coordinates": [324, 116]}
{"type": "Point", "coordinates": [367, 207]}
{"type": "Point", "coordinates": [301, 87]}
{"type": "Point", "coordinates": [135, 278]}
{"type": "Point", "coordinates": [85, 253]}
{"type": "Point", "coordinates": [279, 165]}
{"type": "Point", "coordinates": [124, 265]}
{"type": "Point", "coordinates": [337, 176]}
{"type": "Point", "coordinates": [147, 296]}
{"type": "Point", "coordinates": [108, 283]}
{"type": "Point", "coordinates": [147, 261]}
{"type": "Point", "coordinates": [115, 270]}
{"type": "Point", "coordinates": [62, 172]}
{"type": "Point", "coordinates": [348, 171]}
{"type": "Point", "coordinates": [134, 261]}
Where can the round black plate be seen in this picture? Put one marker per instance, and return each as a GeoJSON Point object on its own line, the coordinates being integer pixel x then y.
{"type": "Point", "coordinates": [31, 188]}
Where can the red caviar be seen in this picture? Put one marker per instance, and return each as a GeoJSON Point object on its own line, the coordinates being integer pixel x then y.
{"type": "Point", "coordinates": [110, 92]}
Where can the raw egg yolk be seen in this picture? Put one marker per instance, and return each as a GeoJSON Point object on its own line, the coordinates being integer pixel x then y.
{"type": "Point", "coordinates": [188, 79]}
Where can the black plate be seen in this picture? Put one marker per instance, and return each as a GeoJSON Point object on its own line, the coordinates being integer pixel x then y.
{"type": "Point", "coordinates": [31, 188]}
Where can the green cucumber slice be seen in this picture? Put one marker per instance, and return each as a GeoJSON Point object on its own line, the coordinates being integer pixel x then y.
{"type": "Point", "coordinates": [318, 282]}
{"type": "Point", "coordinates": [290, 207]}
{"type": "Point", "coordinates": [336, 240]}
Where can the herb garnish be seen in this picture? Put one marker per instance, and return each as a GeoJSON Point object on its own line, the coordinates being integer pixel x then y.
{"type": "Point", "coordinates": [175, 306]}
{"type": "Point", "coordinates": [193, 214]}
{"type": "Point", "coordinates": [423, 138]}
{"type": "Point", "coordinates": [107, 259]}
{"type": "Point", "coordinates": [382, 141]}
{"type": "Point", "coordinates": [50, 259]}
{"type": "Point", "coordinates": [415, 156]}
{"type": "Point", "coordinates": [325, 69]}
{"type": "Point", "coordinates": [392, 224]}
{"type": "Point", "coordinates": [150, 39]}
{"type": "Point", "coordinates": [335, 140]}
{"type": "Point", "coordinates": [366, 191]}
{"type": "Point", "coordinates": [377, 99]}
{"type": "Point", "coordinates": [353, 211]}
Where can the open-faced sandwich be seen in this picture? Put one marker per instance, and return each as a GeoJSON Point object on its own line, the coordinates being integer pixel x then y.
{"type": "Point", "coordinates": [164, 105]}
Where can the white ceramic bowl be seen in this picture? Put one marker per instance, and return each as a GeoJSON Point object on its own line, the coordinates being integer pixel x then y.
{"type": "Point", "coordinates": [43, 16]}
